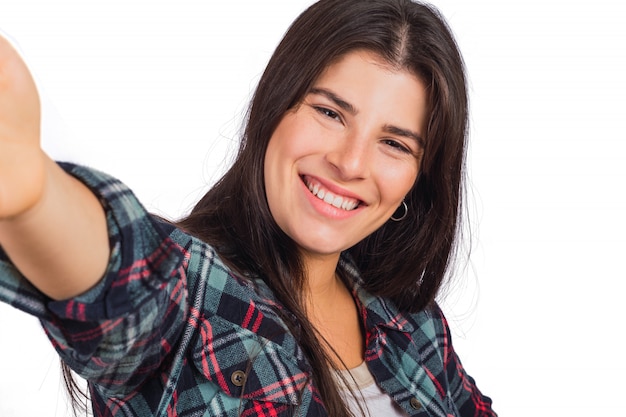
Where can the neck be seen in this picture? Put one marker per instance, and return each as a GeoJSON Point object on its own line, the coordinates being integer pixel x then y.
{"type": "Point", "coordinates": [331, 310]}
{"type": "Point", "coordinates": [323, 284]}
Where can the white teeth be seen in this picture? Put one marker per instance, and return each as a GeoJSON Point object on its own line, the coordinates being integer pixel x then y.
{"type": "Point", "coordinates": [330, 198]}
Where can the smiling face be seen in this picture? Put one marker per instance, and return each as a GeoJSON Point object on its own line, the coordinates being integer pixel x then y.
{"type": "Point", "coordinates": [340, 163]}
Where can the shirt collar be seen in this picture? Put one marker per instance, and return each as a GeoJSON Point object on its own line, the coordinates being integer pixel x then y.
{"type": "Point", "coordinates": [377, 311]}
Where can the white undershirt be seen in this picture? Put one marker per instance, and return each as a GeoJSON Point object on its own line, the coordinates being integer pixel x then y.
{"type": "Point", "coordinates": [377, 403]}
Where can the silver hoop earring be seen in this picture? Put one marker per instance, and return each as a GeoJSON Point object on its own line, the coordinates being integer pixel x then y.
{"type": "Point", "coordinates": [406, 211]}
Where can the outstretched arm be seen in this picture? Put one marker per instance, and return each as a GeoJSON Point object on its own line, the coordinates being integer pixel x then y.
{"type": "Point", "coordinates": [51, 226]}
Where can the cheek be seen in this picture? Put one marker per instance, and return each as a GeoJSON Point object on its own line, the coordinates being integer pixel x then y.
{"type": "Point", "coordinates": [396, 182]}
{"type": "Point", "coordinates": [278, 164]}
{"type": "Point", "coordinates": [272, 175]}
{"type": "Point", "coordinates": [281, 143]}
{"type": "Point", "coordinates": [277, 148]}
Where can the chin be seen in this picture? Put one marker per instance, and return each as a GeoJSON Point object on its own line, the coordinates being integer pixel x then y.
{"type": "Point", "coordinates": [323, 247]}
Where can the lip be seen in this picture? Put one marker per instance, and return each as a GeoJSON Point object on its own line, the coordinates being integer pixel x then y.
{"type": "Point", "coordinates": [334, 188]}
{"type": "Point", "coordinates": [328, 210]}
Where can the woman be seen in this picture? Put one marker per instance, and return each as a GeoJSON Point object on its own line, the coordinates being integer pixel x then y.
{"type": "Point", "coordinates": [303, 282]}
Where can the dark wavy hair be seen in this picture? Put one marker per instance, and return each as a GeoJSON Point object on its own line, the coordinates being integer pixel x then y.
{"type": "Point", "coordinates": [405, 262]}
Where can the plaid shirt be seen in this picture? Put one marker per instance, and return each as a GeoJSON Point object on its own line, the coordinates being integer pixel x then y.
{"type": "Point", "coordinates": [170, 331]}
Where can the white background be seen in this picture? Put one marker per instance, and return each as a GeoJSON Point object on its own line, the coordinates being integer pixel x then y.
{"type": "Point", "coordinates": [153, 92]}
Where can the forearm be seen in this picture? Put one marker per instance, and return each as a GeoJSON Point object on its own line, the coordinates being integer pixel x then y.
{"type": "Point", "coordinates": [61, 243]}
{"type": "Point", "coordinates": [117, 333]}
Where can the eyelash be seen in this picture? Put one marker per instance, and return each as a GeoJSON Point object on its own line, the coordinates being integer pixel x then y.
{"type": "Point", "coordinates": [328, 113]}
{"type": "Point", "coordinates": [397, 145]}
{"type": "Point", "coordinates": [331, 114]}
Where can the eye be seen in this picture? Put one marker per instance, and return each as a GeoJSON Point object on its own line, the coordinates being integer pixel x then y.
{"type": "Point", "coordinates": [397, 146]}
{"type": "Point", "coordinates": [328, 113]}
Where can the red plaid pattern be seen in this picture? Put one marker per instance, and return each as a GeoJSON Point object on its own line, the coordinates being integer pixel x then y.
{"type": "Point", "coordinates": [170, 331]}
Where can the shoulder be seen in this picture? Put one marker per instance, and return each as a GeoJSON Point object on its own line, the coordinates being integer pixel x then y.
{"type": "Point", "coordinates": [240, 343]}
{"type": "Point", "coordinates": [430, 323]}
{"type": "Point", "coordinates": [439, 359]}
{"type": "Point", "coordinates": [431, 335]}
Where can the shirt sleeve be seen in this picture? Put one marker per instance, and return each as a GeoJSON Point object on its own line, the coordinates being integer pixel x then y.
{"type": "Point", "coordinates": [464, 393]}
{"type": "Point", "coordinates": [119, 332]}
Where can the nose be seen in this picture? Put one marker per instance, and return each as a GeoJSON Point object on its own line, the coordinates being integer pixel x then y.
{"type": "Point", "coordinates": [350, 157]}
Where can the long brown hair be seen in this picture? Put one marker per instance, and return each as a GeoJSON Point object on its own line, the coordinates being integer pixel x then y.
{"type": "Point", "coordinates": [405, 262]}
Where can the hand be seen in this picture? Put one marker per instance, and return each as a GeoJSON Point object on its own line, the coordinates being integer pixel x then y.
{"type": "Point", "coordinates": [22, 162]}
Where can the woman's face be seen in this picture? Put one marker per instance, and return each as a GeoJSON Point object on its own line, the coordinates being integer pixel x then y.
{"type": "Point", "coordinates": [339, 164]}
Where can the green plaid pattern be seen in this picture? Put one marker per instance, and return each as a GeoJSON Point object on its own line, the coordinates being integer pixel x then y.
{"type": "Point", "coordinates": [170, 331]}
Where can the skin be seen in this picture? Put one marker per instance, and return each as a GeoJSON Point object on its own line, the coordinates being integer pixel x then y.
{"type": "Point", "coordinates": [51, 226]}
{"type": "Point", "coordinates": [356, 135]}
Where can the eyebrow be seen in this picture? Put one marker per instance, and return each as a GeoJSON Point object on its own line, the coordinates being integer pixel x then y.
{"type": "Point", "coordinates": [394, 130]}
{"type": "Point", "coordinates": [336, 99]}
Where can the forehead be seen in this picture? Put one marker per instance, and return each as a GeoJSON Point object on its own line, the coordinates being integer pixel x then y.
{"type": "Point", "coordinates": [370, 57]}
{"type": "Point", "coordinates": [370, 84]}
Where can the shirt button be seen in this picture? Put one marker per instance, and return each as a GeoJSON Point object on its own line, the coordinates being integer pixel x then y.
{"type": "Point", "coordinates": [415, 403]}
{"type": "Point", "coordinates": [238, 378]}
